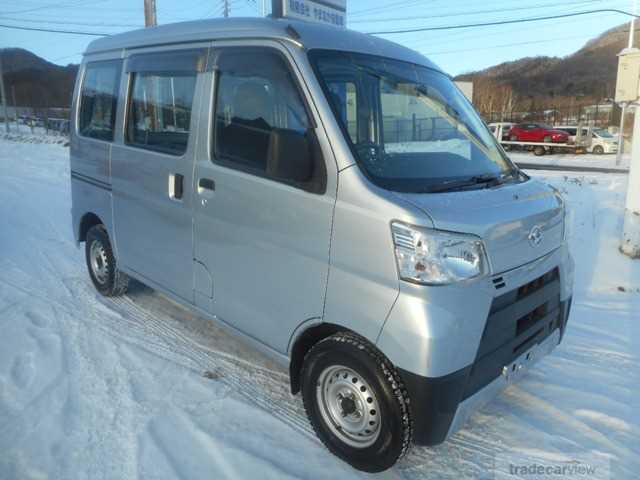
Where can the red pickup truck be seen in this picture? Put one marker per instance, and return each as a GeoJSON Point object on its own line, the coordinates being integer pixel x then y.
{"type": "Point", "coordinates": [536, 132]}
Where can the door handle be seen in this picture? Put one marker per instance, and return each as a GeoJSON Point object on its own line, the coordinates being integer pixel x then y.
{"type": "Point", "coordinates": [206, 184]}
{"type": "Point", "coordinates": [176, 186]}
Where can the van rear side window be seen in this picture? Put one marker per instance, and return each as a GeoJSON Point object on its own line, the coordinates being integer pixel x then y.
{"type": "Point", "coordinates": [99, 99]}
{"type": "Point", "coordinates": [162, 90]}
{"type": "Point", "coordinates": [160, 111]}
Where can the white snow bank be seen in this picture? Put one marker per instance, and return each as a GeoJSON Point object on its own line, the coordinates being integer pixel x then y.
{"type": "Point", "coordinates": [25, 134]}
{"type": "Point", "coordinates": [138, 387]}
{"type": "Point", "coordinates": [572, 160]}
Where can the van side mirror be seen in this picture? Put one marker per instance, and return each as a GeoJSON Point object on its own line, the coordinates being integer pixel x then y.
{"type": "Point", "coordinates": [291, 155]}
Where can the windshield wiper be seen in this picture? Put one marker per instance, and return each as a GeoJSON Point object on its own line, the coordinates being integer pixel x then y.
{"type": "Point", "coordinates": [489, 180]}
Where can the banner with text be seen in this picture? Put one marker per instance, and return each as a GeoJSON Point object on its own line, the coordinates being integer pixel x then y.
{"type": "Point", "coordinates": [332, 12]}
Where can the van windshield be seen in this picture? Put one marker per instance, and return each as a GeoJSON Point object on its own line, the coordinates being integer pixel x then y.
{"type": "Point", "coordinates": [409, 126]}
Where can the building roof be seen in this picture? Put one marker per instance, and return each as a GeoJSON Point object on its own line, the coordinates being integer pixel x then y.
{"type": "Point", "coordinates": [311, 35]}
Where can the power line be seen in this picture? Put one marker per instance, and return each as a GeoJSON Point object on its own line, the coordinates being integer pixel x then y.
{"type": "Point", "coordinates": [49, 30]}
{"type": "Point", "coordinates": [504, 22]}
{"type": "Point", "coordinates": [390, 32]}
{"type": "Point", "coordinates": [72, 4]}
{"type": "Point", "coordinates": [403, 3]}
{"type": "Point", "coordinates": [506, 45]}
{"type": "Point", "coordinates": [66, 22]}
{"type": "Point", "coordinates": [462, 35]}
{"type": "Point", "coordinates": [476, 12]}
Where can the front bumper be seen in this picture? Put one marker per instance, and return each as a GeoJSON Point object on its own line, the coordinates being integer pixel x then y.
{"type": "Point", "coordinates": [454, 345]}
{"type": "Point", "coordinates": [440, 406]}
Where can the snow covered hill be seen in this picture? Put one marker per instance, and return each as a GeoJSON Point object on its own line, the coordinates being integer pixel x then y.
{"type": "Point", "coordinates": [138, 387]}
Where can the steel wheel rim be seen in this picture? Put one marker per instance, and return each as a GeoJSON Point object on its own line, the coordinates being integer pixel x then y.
{"type": "Point", "coordinates": [348, 406]}
{"type": "Point", "coordinates": [98, 261]}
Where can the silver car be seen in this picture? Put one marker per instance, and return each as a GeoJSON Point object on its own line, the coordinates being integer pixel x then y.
{"type": "Point", "coordinates": [335, 200]}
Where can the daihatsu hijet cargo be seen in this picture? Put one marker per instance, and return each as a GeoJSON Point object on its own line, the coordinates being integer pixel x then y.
{"type": "Point", "coordinates": [335, 200]}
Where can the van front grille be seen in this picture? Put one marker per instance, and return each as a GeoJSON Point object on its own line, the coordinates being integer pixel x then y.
{"type": "Point", "coordinates": [518, 319]}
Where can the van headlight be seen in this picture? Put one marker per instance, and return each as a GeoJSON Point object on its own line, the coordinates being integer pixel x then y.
{"type": "Point", "coordinates": [436, 257]}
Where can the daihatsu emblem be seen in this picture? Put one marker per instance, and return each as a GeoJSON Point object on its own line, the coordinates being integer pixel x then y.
{"type": "Point", "coordinates": [535, 236]}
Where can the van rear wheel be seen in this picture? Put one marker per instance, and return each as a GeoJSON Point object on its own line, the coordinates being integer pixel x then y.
{"type": "Point", "coordinates": [356, 402]}
{"type": "Point", "coordinates": [101, 263]}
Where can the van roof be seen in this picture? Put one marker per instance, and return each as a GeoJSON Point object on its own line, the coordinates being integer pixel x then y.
{"type": "Point", "coordinates": [312, 35]}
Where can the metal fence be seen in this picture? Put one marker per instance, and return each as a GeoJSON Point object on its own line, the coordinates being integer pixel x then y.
{"type": "Point", "coordinates": [601, 115]}
{"type": "Point", "coordinates": [26, 120]}
{"type": "Point", "coordinates": [47, 121]}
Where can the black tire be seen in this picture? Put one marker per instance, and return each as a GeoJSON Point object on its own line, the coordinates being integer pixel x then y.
{"type": "Point", "coordinates": [395, 429]}
{"type": "Point", "coordinates": [598, 150]}
{"type": "Point", "coordinates": [112, 282]}
{"type": "Point", "coordinates": [538, 151]}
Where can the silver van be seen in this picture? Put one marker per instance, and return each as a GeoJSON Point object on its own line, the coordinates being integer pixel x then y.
{"type": "Point", "coordinates": [335, 200]}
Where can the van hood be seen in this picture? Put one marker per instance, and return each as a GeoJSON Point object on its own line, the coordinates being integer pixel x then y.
{"type": "Point", "coordinates": [518, 222]}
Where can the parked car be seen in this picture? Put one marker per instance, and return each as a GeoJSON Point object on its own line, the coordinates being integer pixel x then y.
{"type": "Point", "coordinates": [601, 140]}
{"type": "Point", "coordinates": [506, 127]}
{"type": "Point", "coordinates": [394, 277]}
{"type": "Point", "coordinates": [537, 132]}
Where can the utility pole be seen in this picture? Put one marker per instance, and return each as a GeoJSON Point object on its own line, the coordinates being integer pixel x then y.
{"type": "Point", "coordinates": [631, 231]}
{"type": "Point", "coordinates": [15, 107]}
{"type": "Point", "coordinates": [4, 96]}
{"type": "Point", "coordinates": [150, 19]}
{"type": "Point", "coordinates": [628, 88]}
{"type": "Point", "coordinates": [226, 9]}
{"type": "Point", "coordinates": [276, 9]}
{"type": "Point", "coordinates": [624, 105]}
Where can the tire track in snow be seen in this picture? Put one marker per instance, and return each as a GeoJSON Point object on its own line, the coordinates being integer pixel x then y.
{"type": "Point", "coordinates": [270, 390]}
{"type": "Point", "coordinates": [263, 387]}
{"type": "Point", "coordinates": [267, 389]}
{"type": "Point", "coordinates": [122, 319]}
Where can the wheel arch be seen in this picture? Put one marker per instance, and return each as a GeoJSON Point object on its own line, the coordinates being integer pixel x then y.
{"type": "Point", "coordinates": [87, 221]}
{"type": "Point", "coordinates": [303, 343]}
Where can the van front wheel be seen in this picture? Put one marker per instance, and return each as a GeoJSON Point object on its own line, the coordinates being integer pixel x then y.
{"type": "Point", "coordinates": [356, 402]}
{"type": "Point", "coordinates": [106, 277]}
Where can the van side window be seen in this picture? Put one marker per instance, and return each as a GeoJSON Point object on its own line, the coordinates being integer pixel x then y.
{"type": "Point", "coordinates": [160, 111]}
{"type": "Point", "coordinates": [161, 100]}
{"type": "Point", "coordinates": [99, 99]}
{"type": "Point", "coordinates": [256, 95]}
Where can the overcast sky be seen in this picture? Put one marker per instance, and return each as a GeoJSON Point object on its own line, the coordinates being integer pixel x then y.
{"type": "Point", "coordinates": [456, 51]}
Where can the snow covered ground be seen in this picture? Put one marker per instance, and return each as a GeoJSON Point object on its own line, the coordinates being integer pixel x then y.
{"type": "Point", "coordinates": [25, 134]}
{"type": "Point", "coordinates": [572, 160]}
{"type": "Point", "coordinates": [138, 387]}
